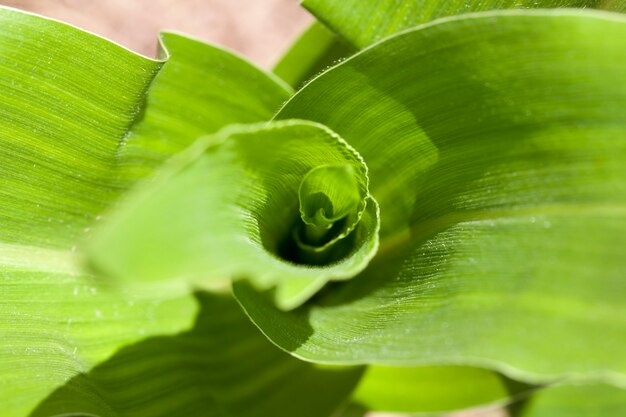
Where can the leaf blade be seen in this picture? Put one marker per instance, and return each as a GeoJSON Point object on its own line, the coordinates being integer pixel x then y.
{"type": "Point", "coordinates": [315, 50]}
{"type": "Point", "coordinates": [575, 401]}
{"type": "Point", "coordinates": [364, 22]}
{"type": "Point", "coordinates": [222, 367]}
{"type": "Point", "coordinates": [233, 210]}
{"type": "Point", "coordinates": [72, 107]}
{"type": "Point", "coordinates": [529, 149]}
{"type": "Point", "coordinates": [435, 389]}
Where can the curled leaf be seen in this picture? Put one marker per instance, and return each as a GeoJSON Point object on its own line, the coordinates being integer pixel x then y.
{"type": "Point", "coordinates": [505, 246]}
{"type": "Point", "coordinates": [284, 204]}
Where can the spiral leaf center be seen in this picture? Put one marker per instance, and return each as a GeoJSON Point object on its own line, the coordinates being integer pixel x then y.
{"type": "Point", "coordinates": [328, 194]}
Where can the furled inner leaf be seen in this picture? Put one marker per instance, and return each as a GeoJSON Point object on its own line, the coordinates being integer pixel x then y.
{"type": "Point", "coordinates": [248, 202]}
{"type": "Point", "coordinates": [329, 196]}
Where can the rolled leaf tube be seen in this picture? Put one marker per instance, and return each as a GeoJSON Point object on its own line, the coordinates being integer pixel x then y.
{"type": "Point", "coordinates": [242, 204]}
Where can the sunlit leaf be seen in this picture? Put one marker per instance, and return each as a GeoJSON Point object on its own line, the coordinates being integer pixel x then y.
{"type": "Point", "coordinates": [494, 144]}
{"type": "Point", "coordinates": [509, 255]}
{"type": "Point", "coordinates": [284, 204]}
{"type": "Point", "coordinates": [81, 120]}
{"type": "Point", "coordinates": [315, 50]}
{"type": "Point", "coordinates": [364, 22]}
{"type": "Point", "coordinates": [223, 366]}
{"type": "Point", "coordinates": [433, 389]}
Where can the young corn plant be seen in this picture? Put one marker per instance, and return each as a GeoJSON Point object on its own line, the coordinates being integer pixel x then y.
{"type": "Point", "coordinates": [434, 220]}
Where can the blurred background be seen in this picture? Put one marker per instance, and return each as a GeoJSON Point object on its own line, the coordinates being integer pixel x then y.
{"type": "Point", "coordinates": [258, 29]}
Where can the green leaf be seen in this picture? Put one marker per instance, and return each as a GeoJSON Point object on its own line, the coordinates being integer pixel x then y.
{"type": "Point", "coordinates": [80, 118]}
{"type": "Point", "coordinates": [56, 323]}
{"type": "Point", "coordinates": [593, 400]}
{"type": "Point", "coordinates": [284, 204]}
{"type": "Point", "coordinates": [315, 50]}
{"type": "Point", "coordinates": [364, 22]}
{"type": "Point", "coordinates": [64, 111]}
{"type": "Point", "coordinates": [222, 367]}
{"type": "Point", "coordinates": [81, 133]}
{"type": "Point", "coordinates": [199, 90]}
{"type": "Point", "coordinates": [67, 102]}
{"type": "Point", "coordinates": [434, 389]}
{"type": "Point", "coordinates": [511, 257]}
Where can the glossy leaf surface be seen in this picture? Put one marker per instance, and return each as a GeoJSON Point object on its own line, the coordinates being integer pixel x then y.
{"type": "Point", "coordinates": [514, 220]}
{"type": "Point", "coordinates": [284, 204]}
{"type": "Point", "coordinates": [81, 120]}
{"type": "Point", "coordinates": [364, 22]}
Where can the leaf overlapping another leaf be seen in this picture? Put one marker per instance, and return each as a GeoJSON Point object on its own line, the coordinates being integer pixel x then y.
{"type": "Point", "coordinates": [494, 144]}
{"type": "Point", "coordinates": [509, 253]}
{"type": "Point", "coordinates": [254, 201]}
{"type": "Point", "coordinates": [222, 367]}
{"type": "Point", "coordinates": [81, 121]}
{"type": "Point", "coordinates": [364, 22]}
{"type": "Point", "coordinates": [314, 51]}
